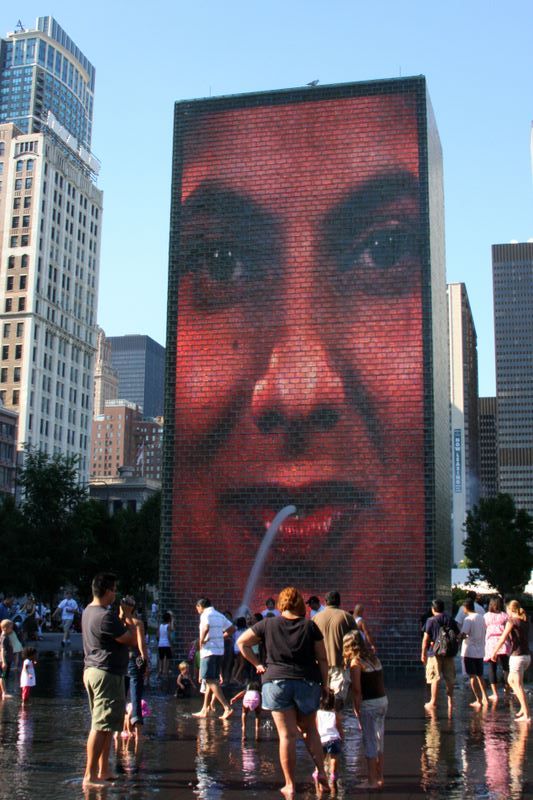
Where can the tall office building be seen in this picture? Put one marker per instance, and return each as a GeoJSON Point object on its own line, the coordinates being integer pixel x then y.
{"type": "Point", "coordinates": [488, 448]}
{"type": "Point", "coordinates": [105, 377]}
{"type": "Point", "coordinates": [140, 364]}
{"type": "Point", "coordinates": [123, 438]}
{"type": "Point", "coordinates": [512, 266]}
{"type": "Point", "coordinates": [464, 412]}
{"type": "Point", "coordinates": [43, 72]}
{"type": "Point", "coordinates": [50, 222]}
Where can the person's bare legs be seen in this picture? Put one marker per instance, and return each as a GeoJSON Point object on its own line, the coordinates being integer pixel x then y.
{"type": "Point", "coordinates": [307, 725]}
{"type": "Point", "coordinates": [244, 716]}
{"type": "Point", "coordinates": [287, 728]}
{"type": "Point", "coordinates": [217, 691]}
{"type": "Point", "coordinates": [482, 690]}
{"type": "Point", "coordinates": [257, 723]}
{"type": "Point", "coordinates": [516, 683]}
{"type": "Point", "coordinates": [449, 693]}
{"type": "Point", "coordinates": [204, 711]}
{"type": "Point", "coordinates": [477, 694]}
{"type": "Point", "coordinates": [434, 693]}
{"type": "Point", "coordinates": [104, 773]}
{"type": "Point", "coordinates": [97, 741]}
{"type": "Point", "coordinates": [380, 769]}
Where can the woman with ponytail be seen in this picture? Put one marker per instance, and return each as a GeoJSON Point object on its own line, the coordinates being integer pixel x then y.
{"type": "Point", "coordinates": [517, 628]}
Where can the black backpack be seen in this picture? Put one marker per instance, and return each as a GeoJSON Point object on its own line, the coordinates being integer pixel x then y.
{"type": "Point", "coordinates": [447, 641]}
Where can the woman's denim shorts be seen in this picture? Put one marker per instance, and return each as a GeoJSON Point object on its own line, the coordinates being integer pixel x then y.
{"type": "Point", "coordinates": [281, 695]}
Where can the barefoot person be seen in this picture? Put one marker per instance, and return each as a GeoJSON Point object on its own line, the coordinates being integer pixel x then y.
{"type": "Point", "coordinates": [369, 701]}
{"type": "Point", "coordinates": [213, 626]}
{"type": "Point", "coordinates": [294, 669]}
{"type": "Point", "coordinates": [438, 666]}
{"type": "Point", "coordinates": [473, 651]}
{"type": "Point", "coordinates": [517, 628]}
{"type": "Point", "coordinates": [105, 645]}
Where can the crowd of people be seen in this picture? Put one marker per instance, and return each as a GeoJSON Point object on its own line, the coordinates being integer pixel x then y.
{"type": "Point", "coordinates": [298, 661]}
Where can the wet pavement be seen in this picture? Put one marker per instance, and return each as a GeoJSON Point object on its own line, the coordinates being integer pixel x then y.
{"type": "Point", "coordinates": [475, 755]}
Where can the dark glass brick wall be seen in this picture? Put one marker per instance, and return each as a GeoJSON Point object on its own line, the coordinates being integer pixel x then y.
{"type": "Point", "coordinates": [306, 354]}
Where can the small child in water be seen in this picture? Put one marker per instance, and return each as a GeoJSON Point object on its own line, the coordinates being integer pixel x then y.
{"type": "Point", "coordinates": [184, 684]}
{"type": "Point", "coordinates": [327, 722]}
{"type": "Point", "coordinates": [251, 701]}
{"type": "Point", "coordinates": [27, 674]}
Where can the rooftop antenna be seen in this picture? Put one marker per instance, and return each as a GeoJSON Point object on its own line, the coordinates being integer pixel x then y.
{"type": "Point", "coordinates": [19, 28]}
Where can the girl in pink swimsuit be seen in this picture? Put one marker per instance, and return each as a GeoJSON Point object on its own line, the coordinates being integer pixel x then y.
{"type": "Point", "coordinates": [251, 701]}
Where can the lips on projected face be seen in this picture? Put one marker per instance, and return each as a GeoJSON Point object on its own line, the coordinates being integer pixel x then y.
{"type": "Point", "coordinates": [299, 363]}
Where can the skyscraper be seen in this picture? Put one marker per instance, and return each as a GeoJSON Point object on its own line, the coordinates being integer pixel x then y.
{"type": "Point", "coordinates": [43, 72]}
{"type": "Point", "coordinates": [140, 364]}
{"type": "Point", "coordinates": [512, 266]}
{"type": "Point", "coordinates": [464, 412]}
{"type": "Point", "coordinates": [50, 222]}
{"type": "Point", "coordinates": [488, 449]}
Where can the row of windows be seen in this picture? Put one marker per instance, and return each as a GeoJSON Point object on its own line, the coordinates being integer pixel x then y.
{"type": "Point", "coordinates": [5, 352]}
{"type": "Point", "coordinates": [20, 241]}
{"type": "Point", "coordinates": [21, 304]}
{"type": "Point", "coordinates": [24, 261]}
{"type": "Point", "coordinates": [4, 375]}
{"type": "Point", "coordinates": [10, 282]}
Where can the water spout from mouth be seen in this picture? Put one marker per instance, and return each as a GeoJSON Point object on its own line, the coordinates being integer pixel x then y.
{"type": "Point", "coordinates": [260, 558]}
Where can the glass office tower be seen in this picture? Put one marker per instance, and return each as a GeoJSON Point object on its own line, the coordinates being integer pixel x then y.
{"type": "Point", "coordinates": [42, 71]}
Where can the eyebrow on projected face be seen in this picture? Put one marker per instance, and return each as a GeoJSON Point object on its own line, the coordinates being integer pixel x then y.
{"type": "Point", "coordinates": [232, 246]}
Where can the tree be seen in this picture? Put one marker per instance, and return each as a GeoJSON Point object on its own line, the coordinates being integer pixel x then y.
{"type": "Point", "coordinates": [137, 537]}
{"type": "Point", "coordinates": [498, 542]}
{"type": "Point", "coordinates": [51, 545]}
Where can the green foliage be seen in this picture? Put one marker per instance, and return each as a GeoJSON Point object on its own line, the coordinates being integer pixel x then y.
{"type": "Point", "coordinates": [498, 542]}
{"type": "Point", "coordinates": [59, 536]}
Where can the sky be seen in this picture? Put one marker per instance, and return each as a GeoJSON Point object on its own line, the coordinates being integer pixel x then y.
{"type": "Point", "coordinates": [477, 58]}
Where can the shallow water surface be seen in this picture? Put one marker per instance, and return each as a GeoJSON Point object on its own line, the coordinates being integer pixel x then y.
{"type": "Point", "coordinates": [475, 755]}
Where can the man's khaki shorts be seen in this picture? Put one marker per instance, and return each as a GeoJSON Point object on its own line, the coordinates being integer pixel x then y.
{"type": "Point", "coordinates": [438, 667]}
{"type": "Point", "coordinates": [339, 682]}
{"type": "Point", "coordinates": [107, 699]}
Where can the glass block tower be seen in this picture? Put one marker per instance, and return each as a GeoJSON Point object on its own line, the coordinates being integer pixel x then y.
{"type": "Point", "coordinates": [42, 72]}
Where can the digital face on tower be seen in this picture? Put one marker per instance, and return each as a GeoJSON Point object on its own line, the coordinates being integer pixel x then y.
{"type": "Point", "coordinates": [299, 364]}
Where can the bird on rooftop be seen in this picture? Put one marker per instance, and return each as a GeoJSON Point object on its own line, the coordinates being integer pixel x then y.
{"type": "Point", "coordinates": [313, 83]}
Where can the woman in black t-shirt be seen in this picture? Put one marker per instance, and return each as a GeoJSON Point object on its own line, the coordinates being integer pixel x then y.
{"type": "Point", "coordinates": [294, 669]}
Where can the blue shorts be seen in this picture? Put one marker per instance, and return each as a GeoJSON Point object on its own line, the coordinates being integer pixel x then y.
{"type": "Point", "coordinates": [210, 668]}
{"type": "Point", "coordinates": [332, 748]}
{"type": "Point", "coordinates": [284, 694]}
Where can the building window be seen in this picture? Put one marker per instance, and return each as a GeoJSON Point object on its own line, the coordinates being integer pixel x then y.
{"type": "Point", "coordinates": [22, 304]}
{"type": "Point", "coordinates": [18, 184]}
{"type": "Point", "coordinates": [15, 222]}
{"type": "Point", "coordinates": [3, 375]}
{"type": "Point", "coordinates": [20, 329]}
{"type": "Point", "coordinates": [24, 240]}
{"type": "Point", "coordinates": [15, 397]}
{"type": "Point", "coordinates": [7, 329]}
{"type": "Point", "coordinates": [16, 375]}
{"type": "Point", "coordinates": [28, 183]}
{"type": "Point", "coordinates": [9, 283]}
{"type": "Point", "coordinates": [18, 352]}
{"type": "Point", "coordinates": [5, 352]}
{"type": "Point", "coordinates": [29, 165]}
{"type": "Point", "coordinates": [13, 241]}
{"type": "Point", "coordinates": [16, 203]}
{"type": "Point", "coordinates": [20, 164]}
{"type": "Point", "coordinates": [11, 262]}
{"type": "Point", "coordinates": [9, 304]}
{"type": "Point", "coordinates": [26, 221]}
{"type": "Point", "coordinates": [24, 262]}
{"type": "Point", "coordinates": [27, 201]}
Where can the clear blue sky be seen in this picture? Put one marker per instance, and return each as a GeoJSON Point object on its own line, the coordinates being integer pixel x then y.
{"type": "Point", "coordinates": [477, 57]}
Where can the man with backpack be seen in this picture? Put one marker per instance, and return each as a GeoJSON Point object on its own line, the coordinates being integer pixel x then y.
{"type": "Point", "coordinates": [440, 644]}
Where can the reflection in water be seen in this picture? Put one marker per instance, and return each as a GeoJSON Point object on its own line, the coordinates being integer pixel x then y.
{"type": "Point", "coordinates": [486, 761]}
{"type": "Point", "coordinates": [438, 760]}
{"type": "Point", "coordinates": [472, 757]}
{"type": "Point", "coordinates": [208, 786]}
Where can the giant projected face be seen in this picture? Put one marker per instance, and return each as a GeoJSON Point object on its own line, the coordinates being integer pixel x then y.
{"type": "Point", "coordinates": [299, 363]}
